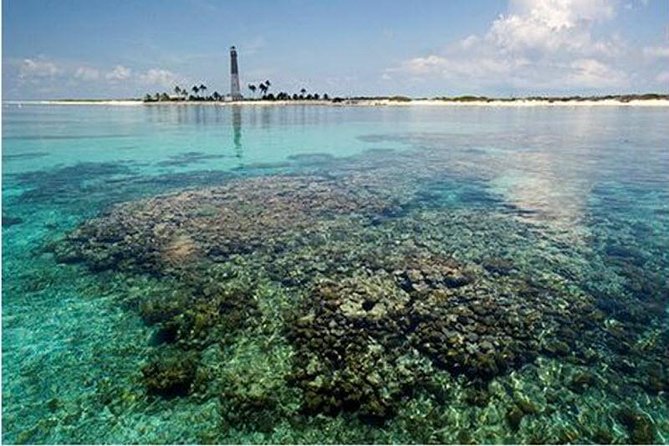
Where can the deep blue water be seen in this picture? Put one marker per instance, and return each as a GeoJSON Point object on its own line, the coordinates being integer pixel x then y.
{"type": "Point", "coordinates": [557, 217]}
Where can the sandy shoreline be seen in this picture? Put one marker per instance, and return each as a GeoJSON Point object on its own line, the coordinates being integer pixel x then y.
{"type": "Point", "coordinates": [371, 103]}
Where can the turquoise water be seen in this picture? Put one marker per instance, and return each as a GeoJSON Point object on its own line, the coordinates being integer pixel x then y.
{"type": "Point", "coordinates": [311, 274]}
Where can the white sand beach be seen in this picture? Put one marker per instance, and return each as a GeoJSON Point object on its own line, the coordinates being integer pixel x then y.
{"type": "Point", "coordinates": [370, 103]}
{"type": "Point", "coordinates": [532, 103]}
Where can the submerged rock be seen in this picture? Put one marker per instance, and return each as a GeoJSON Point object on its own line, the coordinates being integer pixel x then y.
{"type": "Point", "coordinates": [418, 274]}
{"type": "Point", "coordinates": [514, 416]}
{"type": "Point", "coordinates": [556, 347]}
{"type": "Point", "coordinates": [498, 265]}
{"type": "Point", "coordinates": [639, 426]}
{"type": "Point", "coordinates": [582, 381]}
{"type": "Point", "coordinates": [8, 221]}
{"type": "Point", "coordinates": [170, 375]}
{"type": "Point", "coordinates": [351, 348]}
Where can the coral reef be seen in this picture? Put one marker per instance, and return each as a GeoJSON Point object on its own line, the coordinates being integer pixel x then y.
{"type": "Point", "coordinates": [362, 291]}
{"type": "Point", "coordinates": [246, 215]}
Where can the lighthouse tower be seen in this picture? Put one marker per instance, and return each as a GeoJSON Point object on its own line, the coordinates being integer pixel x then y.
{"type": "Point", "coordinates": [235, 92]}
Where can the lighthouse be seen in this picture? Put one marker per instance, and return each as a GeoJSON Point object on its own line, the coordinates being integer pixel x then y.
{"type": "Point", "coordinates": [235, 93]}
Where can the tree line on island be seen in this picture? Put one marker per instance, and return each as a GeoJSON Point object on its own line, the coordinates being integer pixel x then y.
{"type": "Point", "coordinates": [263, 88]}
{"type": "Point", "coordinates": [258, 91]}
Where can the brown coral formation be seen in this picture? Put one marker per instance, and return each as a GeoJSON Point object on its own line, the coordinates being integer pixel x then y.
{"type": "Point", "coordinates": [350, 337]}
{"type": "Point", "coordinates": [198, 315]}
{"type": "Point", "coordinates": [246, 215]}
{"type": "Point", "coordinates": [352, 334]}
{"type": "Point", "coordinates": [181, 249]}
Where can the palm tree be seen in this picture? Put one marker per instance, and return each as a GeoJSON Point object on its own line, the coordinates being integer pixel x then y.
{"type": "Point", "coordinates": [253, 89]}
{"type": "Point", "coordinates": [302, 91]}
{"type": "Point", "coordinates": [263, 88]}
{"type": "Point", "coordinates": [195, 89]}
{"type": "Point", "coordinates": [203, 88]}
{"type": "Point", "coordinates": [216, 96]}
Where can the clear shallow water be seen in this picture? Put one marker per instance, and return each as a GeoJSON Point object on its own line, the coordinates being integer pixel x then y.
{"type": "Point", "coordinates": [557, 215]}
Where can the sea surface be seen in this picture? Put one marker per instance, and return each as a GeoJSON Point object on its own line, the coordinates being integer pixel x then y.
{"type": "Point", "coordinates": [318, 274]}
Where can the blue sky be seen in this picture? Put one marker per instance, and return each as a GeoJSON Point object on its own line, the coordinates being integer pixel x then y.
{"type": "Point", "coordinates": [122, 48]}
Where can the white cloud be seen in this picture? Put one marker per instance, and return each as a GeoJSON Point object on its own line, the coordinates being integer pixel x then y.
{"type": "Point", "coordinates": [42, 76]}
{"type": "Point", "coordinates": [564, 13]}
{"type": "Point", "coordinates": [537, 45]}
{"type": "Point", "coordinates": [156, 76]}
{"type": "Point", "coordinates": [87, 73]}
{"type": "Point", "coordinates": [119, 73]}
{"type": "Point", "coordinates": [38, 68]}
{"type": "Point", "coordinates": [458, 66]}
{"type": "Point", "coordinates": [549, 26]}
{"type": "Point", "coordinates": [424, 65]}
{"type": "Point", "coordinates": [469, 42]}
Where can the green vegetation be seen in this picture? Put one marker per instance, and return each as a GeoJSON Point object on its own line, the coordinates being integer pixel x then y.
{"type": "Point", "coordinates": [262, 92]}
{"type": "Point", "coordinates": [620, 97]}
{"type": "Point", "coordinates": [399, 99]}
{"type": "Point", "coordinates": [182, 94]}
{"type": "Point", "coordinates": [264, 87]}
{"type": "Point", "coordinates": [466, 98]}
{"type": "Point", "coordinates": [197, 93]}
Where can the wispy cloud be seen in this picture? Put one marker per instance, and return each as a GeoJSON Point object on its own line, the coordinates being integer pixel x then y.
{"type": "Point", "coordinates": [46, 76]}
{"type": "Point", "coordinates": [38, 68]}
{"type": "Point", "coordinates": [119, 73]}
{"type": "Point", "coordinates": [159, 77]}
{"type": "Point", "coordinates": [87, 73]}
